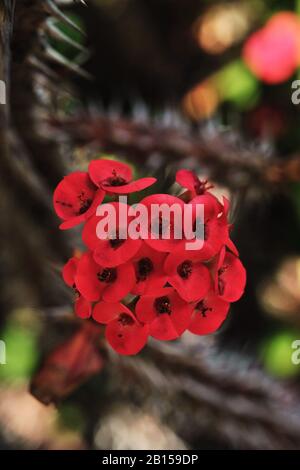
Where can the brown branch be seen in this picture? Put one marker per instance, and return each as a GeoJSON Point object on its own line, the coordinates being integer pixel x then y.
{"type": "Point", "coordinates": [236, 168]}
{"type": "Point", "coordinates": [201, 394]}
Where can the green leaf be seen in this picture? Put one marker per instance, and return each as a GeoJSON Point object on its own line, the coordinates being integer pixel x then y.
{"type": "Point", "coordinates": [235, 83]}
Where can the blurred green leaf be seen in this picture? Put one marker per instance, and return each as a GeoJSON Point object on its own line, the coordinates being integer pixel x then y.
{"type": "Point", "coordinates": [21, 352]}
{"type": "Point", "coordinates": [235, 83]}
{"type": "Point", "coordinates": [277, 353]}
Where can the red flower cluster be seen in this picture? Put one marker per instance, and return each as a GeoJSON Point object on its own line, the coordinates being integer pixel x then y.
{"type": "Point", "coordinates": [167, 288]}
{"type": "Point", "coordinates": [273, 52]}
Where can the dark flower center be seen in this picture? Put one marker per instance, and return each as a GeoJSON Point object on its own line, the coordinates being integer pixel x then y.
{"type": "Point", "coordinates": [116, 242]}
{"type": "Point", "coordinates": [185, 269]}
{"type": "Point", "coordinates": [115, 180]}
{"type": "Point", "coordinates": [125, 319]}
{"type": "Point", "coordinates": [202, 308]}
{"type": "Point", "coordinates": [163, 305]}
{"type": "Point", "coordinates": [63, 203]}
{"type": "Point", "coordinates": [202, 187]}
{"type": "Point", "coordinates": [76, 291]}
{"type": "Point", "coordinates": [144, 268]}
{"type": "Point", "coordinates": [85, 203]}
{"type": "Point", "coordinates": [108, 275]}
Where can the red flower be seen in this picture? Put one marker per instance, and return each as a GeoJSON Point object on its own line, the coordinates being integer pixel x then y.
{"type": "Point", "coordinates": [272, 53]}
{"type": "Point", "coordinates": [215, 230]}
{"type": "Point", "coordinates": [124, 332]}
{"type": "Point", "coordinates": [189, 180]}
{"type": "Point", "coordinates": [83, 308]}
{"type": "Point", "coordinates": [230, 277]}
{"type": "Point", "coordinates": [159, 227]}
{"type": "Point", "coordinates": [209, 314]}
{"type": "Point", "coordinates": [111, 251]}
{"type": "Point", "coordinates": [188, 276]}
{"type": "Point", "coordinates": [166, 313]}
{"type": "Point", "coordinates": [116, 177]}
{"type": "Point", "coordinates": [76, 198]}
{"type": "Point", "coordinates": [149, 273]}
{"type": "Point", "coordinates": [180, 287]}
{"type": "Point", "coordinates": [111, 284]}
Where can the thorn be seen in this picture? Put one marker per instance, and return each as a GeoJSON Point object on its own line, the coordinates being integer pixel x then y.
{"type": "Point", "coordinates": [51, 54]}
{"type": "Point", "coordinates": [53, 77]}
{"type": "Point", "coordinates": [39, 65]}
{"type": "Point", "coordinates": [56, 33]}
{"type": "Point", "coordinates": [57, 13]}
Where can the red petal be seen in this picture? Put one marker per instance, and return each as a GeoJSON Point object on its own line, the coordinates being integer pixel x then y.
{"type": "Point", "coordinates": [144, 309]}
{"type": "Point", "coordinates": [187, 179]}
{"type": "Point", "coordinates": [69, 271]}
{"type": "Point", "coordinates": [72, 222]}
{"type": "Point", "coordinates": [106, 252]}
{"type": "Point", "coordinates": [89, 235]}
{"type": "Point", "coordinates": [101, 171]}
{"type": "Point", "coordinates": [181, 313]}
{"type": "Point", "coordinates": [162, 328]}
{"type": "Point", "coordinates": [214, 316]}
{"type": "Point", "coordinates": [162, 325]}
{"type": "Point", "coordinates": [122, 285]}
{"type": "Point", "coordinates": [161, 199]}
{"type": "Point", "coordinates": [126, 339]}
{"type": "Point", "coordinates": [132, 187]}
{"type": "Point", "coordinates": [212, 206]}
{"type": "Point", "coordinates": [75, 192]}
{"type": "Point", "coordinates": [193, 287]}
{"type": "Point", "coordinates": [86, 278]}
{"type": "Point", "coordinates": [99, 196]}
{"type": "Point", "coordinates": [83, 308]}
{"type": "Point", "coordinates": [110, 256]}
{"type": "Point", "coordinates": [82, 218]}
{"type": "Point", "coordinates": [156, 279]}
{"type": "Point", "coordinates": [160, 244]}
{"type": "Point", "coordinates": [105, 312]}
{"type": "Point", "coordinates": [233, 280]}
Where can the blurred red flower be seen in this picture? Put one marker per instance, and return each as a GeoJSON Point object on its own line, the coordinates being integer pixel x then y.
{"type": "Point", "coordinates": [272, 53]}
